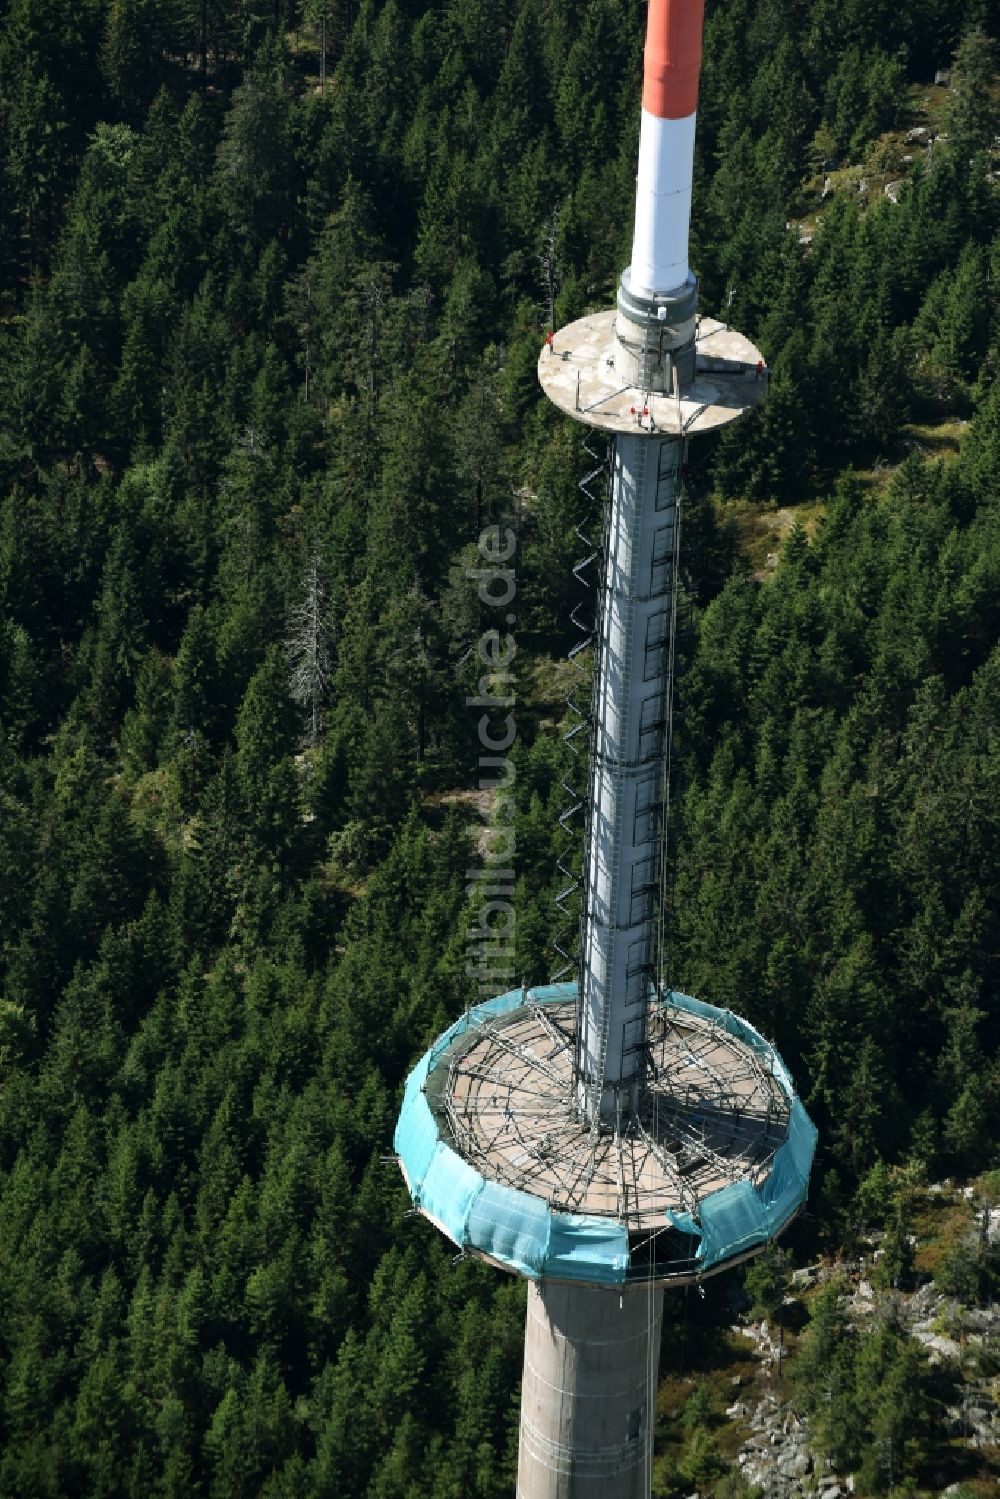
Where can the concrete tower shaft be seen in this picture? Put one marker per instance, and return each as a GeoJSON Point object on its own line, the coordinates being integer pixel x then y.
{"type": "Point", "coordinates": [588, 1403]}
{"type": "Point", "coordinates": [631, 706]}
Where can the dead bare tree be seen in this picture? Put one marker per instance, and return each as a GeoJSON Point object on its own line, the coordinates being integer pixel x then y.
{"type": "Point", "coordinates": [309, 648]}
{"type": "Point", "coordinates": [548, 259]}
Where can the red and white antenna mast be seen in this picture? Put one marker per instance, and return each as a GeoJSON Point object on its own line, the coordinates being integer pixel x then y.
{"type": "Point", "coordinates": [672, 67]}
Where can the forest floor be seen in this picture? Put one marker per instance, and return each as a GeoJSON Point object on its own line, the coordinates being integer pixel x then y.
{"type": "Point", "coordinates": [481, 806]}
{"type": "Point", "coordinates": [935, 439]}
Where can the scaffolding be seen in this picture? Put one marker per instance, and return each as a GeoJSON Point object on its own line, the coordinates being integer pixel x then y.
{"type": "Point", "coordinates": [495, 1152]}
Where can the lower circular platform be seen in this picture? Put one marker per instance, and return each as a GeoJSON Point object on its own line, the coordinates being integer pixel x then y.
{"type": "Point", "coordinates": [713, 1113]}
{"type": "Point", "coordinates": [714, 1164]}
{"type": "Point", "coordinates": [577, 373]}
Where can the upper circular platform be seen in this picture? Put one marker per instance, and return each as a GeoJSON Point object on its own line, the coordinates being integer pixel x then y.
{"type": "Point", "coordinates": [494, 1152]}
{"type": "Point", "coordinates": [577, 373]}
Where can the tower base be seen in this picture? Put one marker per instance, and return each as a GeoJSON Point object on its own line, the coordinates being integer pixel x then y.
{"type": "Point", "coordinates": [588, 1400]}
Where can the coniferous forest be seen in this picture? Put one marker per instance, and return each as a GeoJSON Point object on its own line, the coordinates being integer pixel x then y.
{"type": "Point", "coordinates": [273, 283]}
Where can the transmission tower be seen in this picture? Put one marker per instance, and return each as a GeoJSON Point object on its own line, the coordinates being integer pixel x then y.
{"type": "Point", "coordinates": [609, 1137]}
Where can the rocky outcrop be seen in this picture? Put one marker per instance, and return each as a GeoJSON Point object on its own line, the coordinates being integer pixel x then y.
{"type": "Point", "coordinates": [775, 1456]}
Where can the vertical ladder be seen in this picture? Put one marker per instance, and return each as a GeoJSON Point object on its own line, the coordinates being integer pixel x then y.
{"type": "Point", "coordinates": [661, 977]}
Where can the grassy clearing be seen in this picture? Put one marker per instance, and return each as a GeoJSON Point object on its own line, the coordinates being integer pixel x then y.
{"type": "Point", "coordinates": [156, 809]}
{"type": "Point", "coordinates": [547, 681]}
{"type": "Point", "coordinates": [935, 439]}
{"type": "Point", "coordinates": [481, 807]}
{"type": "Point", "coordinates": [940, 1223]}
{"type": "Point", "coordinates": [762, 532]}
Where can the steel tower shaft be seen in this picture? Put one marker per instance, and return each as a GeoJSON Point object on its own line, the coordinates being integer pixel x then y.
{"type": "Point", "coordinates": [632, 705]}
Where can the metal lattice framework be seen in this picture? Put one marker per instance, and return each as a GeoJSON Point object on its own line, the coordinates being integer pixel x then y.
{"type": "Point", "coordinates": [713, 1113]}
{"type": "Point", "coordinates": [594, 488]}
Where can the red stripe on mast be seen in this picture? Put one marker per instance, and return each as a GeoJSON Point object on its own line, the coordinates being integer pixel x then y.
{"type": "Point", "coordinates": [673, 58]}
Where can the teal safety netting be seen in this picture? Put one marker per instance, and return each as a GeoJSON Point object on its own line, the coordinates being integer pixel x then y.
{"type": "Point", "coordinates": [521, 1232]}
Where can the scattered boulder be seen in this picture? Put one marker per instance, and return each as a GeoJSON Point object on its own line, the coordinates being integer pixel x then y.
{"type": "Point", "coordinates": [937, 1346]}
{"type": "Point", "coordinates": [775, 1457]}
{"type": "Point", "coordinates": [982, 1319]}
{"type": "Point", "coordinates": [925, 1301]}
{"type": "Point", "coordinates": [954, 1423]}
{"type": "Point", "coordinates": [989, 1221]}
{"type": "Point", "coordinates": [795, 1466]}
